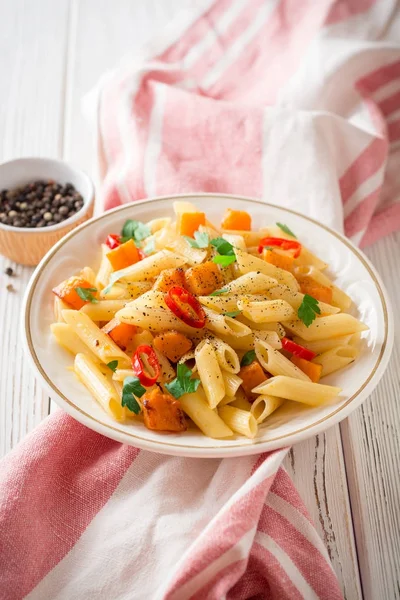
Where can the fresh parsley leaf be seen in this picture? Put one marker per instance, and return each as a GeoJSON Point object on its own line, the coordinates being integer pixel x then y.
{"type": "Point", "coordinates": [135, 230]}
{"type": "Point", "coordinates": [113, 365]}
{"type": "Point", "coordinates": [223, 260]}
{"type": "Point", "coordinates": [248, 358]}
{"type": "Point", "coordinates": [183, 384]}
{"type": "Point", "coordinates": [223, 247]}
{"type": "Point", "coordinates": [233, 313]}
{"type": "Point", "coordinates": [150, 247]}
{"type": "Point", "coordinates": [201, 240]}
{"type": "Point", "coordinates": [86, 294]}
{"type": "Point", "coordinates": [286, 229]}
{"type": "Point", "coordinates": [308, 310]}
{"type": "Point", "coordinates": [113, 278]}
{"type": "Point", "coordinates": [218, 292]}
{"type": "Point", "coordinates": [132, 387]}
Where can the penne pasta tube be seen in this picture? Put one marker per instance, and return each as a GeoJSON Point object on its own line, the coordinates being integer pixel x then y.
{"type": "Point", "coordinates": [276, 363]}
{"type": "Point", "coordinates": [207, 420]}
{"type": "Point", "coordinates": [97, 341]}
{"type": "Point", "coordinates": [232, 383]}
{"type": "Point", "coordinates": [335, 359]}
{"type": "Point", "coordinates": [339, 297]}
{"type": "Point", "coordinates": [247, 342]}
{"type": "Point", "coordinates": [296, 298]}
{"type": "Point", "coordinates": [355, 339]}
{"type": "Point", "coordinates": [105, 269]}
{"type": "Point", "coordinates": [150, 312]}
{"type": "Point", "coordinates": [137, 288]}
{"type": "Point", "coordinates": [225, 325]}
{"type": "Point", "coordinates": [240, 401]}
{"type": "Point", "coordinates": [120, 374]}
{"type": "Point", "coordinates": [240, 421]}
{"type": "Point", "coordinates": [138, 339]}
{"type": "Point", "coordinates": [237, 241]}
{"type": "Point", "coordinates": [251, 238]}
{"type": "Point", "coordinates": [266, 311]}
{"type": "Point", "coordinates": [248, 264]}
{"type": "Point", "coordinates": [251, 282]}
{"type": "Point", "coordinates": [210, 374]}
{"type": "Point", "coordinates": [67, 338]}
{"type": "Point", "coordinates": [116, 292]}
{"type": "Point", "coordinates": [220, 304]}
{"type": "Point", "coordinates": [277, 327]}
{"type": "Point", "coordinates": [320, 346]}
{"type": "Point", "coordinates": [306, 257]}
{"type": "Point", "coordinates": [326, 327]}
{"type": "Point", "coordinates": [59, 306]}
{"type": "Point", "coordinates": [157, 224]}
{"type": "Point", "coordinates": [193, 256]}
{"type": "Point", "coordinates": [149, 267]}
{"type": "Point", "coordinates": [225, 400]}
{"type": "Point", "coordinates": [182, 206]}
{"type": "Point", "coordinates": [99, 385]}
{"type": "Point", "coordinates": [227, 358]}
{"type": "Point", "coordinates": [104, 310]}
{"type": "Point", "coordinates": [306, 392]}
{"type": "Point", "coordinates": [263, 406]}
{"type": "Point", "coordinates": [270, 337]}
{"type": "Point", "coordinates": [167, 372]}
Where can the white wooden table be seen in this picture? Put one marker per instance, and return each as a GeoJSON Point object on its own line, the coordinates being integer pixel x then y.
{"type": "Point", "coordinates": [51, 53]}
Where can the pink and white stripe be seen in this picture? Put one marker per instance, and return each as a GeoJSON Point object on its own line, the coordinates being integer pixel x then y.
{"type": "Point", "coordinates": [293, 101]}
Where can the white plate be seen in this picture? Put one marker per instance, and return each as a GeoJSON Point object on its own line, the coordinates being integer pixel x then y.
{"type": "Point", "coordinates": [288, 425]}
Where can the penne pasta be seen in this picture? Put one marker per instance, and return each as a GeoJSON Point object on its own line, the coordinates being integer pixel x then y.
{"type": "Point", "coordinates": [336, 358]}
{"type": "Point", "coordinates": [68, 339]}
{"type": "Point", "coordinates": [263, 406]}
{"type": "Point", "coordinates": [248, 264]}
{"type": "Point", "coordinates": [276, 363]}
{"type": "Point", "coordinates": [251, 238]}
{"type": "Point", "coordinates": [320, 346]}
{"type": "Point", "coordinates": [306, 392]}
{"type": "Point", "coordinates": [266, 311]}
{"type": "Point", "coordinates": [97, 341]}
{"type": "Point", "coordinates": [88, 274]}
{"type": "Point", "coordinates": [339, 298]}
{"type": "Point", "coordinates": [251, 282]}
{"type": "Point", "coordinates": [104, 310]}
{"type": "Point", "coordinates": [227, 358]}
{"type": "Point", "coordinates": [210, 374]}
{"type": "Point", "coordinates": [240, 401]}
{"type": "Point", "coordinates": [232, 383]}
{"type": "Point", "coordinates": [225, 325]}
{"type": "Point", "coordinates": [105, 269]}
{"type": "Point", "coordinates": [99, 385]}
{"type": "Point", "coordinates": [296, 298]}
{"type": "Point", "coordinates": [240, 421]}
{"type": "Point", "coordinates": [149, 267]}
{"type": "Point", "coordinates": [326, 327]}
{"type": "Point", "coordinates": [118, 291]}
{"type": "Point", "coordinates": [160, 223]}
{"type": "Point", "coordinates": [193, 256]}
{"type": "Point", "coordinates": [237, 241]}
{"type": "Point", "coordinates": [59, 306]}
{"type": "Point", "coordinates": [207, 420]}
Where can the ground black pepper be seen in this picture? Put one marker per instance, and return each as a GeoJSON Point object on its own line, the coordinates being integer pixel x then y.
{"type": "Point", "coordinates": [39, 204]}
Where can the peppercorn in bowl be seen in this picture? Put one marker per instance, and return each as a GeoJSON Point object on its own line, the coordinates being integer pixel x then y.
{"type": "Point", "coordinates": [40, 201]}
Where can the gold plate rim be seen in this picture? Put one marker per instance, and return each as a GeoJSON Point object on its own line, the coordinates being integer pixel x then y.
{"type": "Point", "coordinates": [195, 449]}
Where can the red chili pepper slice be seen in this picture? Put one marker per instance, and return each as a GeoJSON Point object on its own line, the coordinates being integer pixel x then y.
{"type": "Point", "coordinates": [113, 241]}
{"type": "Point", "coordinates": [282, 243]}
{"type": "Point", "coordinates": [297, 350]}
{"type": "Point", "coordinates": [139, 368]}
{"type": "Point", "coordinates": [185, 306]}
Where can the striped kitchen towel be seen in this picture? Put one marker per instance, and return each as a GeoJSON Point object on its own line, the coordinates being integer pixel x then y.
{"type": "Point", "coordinates": [294, 101]}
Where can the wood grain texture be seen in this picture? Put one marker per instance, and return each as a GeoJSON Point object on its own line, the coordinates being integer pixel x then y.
{"type": "Point", "coordinates": [32, 60]}
{"type": "Point", "coordinates": [372, 452]}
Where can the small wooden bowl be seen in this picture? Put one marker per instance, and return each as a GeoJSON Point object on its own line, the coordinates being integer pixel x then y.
{"type": "Point", "coordinates": [27, 246]}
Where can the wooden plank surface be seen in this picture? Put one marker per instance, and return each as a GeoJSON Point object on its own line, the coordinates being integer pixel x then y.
{"type": "Point", "coordinates": [44, 79]}
{"type": "Point", "coordinates": [33, 48]}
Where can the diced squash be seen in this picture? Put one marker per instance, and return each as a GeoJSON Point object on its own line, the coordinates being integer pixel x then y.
{"type": "Point", "coordinates": [252, 376]}
{"type": "Point", "coordinates": [236, 219]}
{"type": "Point", "coordinates": [67, 291]}
{"type": "Point", "coordinates": [162, 412]}
{"type": "Point", "coordinates": [189, 222]}
{"type": "Point", "coordinates": [121, 333]}
{"type": "Point", "coordinates": [172, 344]}
{"type": "Point", "coordinates": [309, 286]}
{"type": "Point", "coordinates": [203, 279]}
{"type": "Point", "coordinates": [169, 278]}
{"type": "Point", "coordinates": [311, 369]}
{"type": "Point", "coordinates": [125, 255]}
{"type": "Point", "coordinates": [282, 261]}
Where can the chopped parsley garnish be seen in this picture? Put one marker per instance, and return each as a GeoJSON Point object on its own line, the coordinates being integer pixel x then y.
{"type": "Point", "coordinates": [248, 358]}
{"type": "Point", "coordinates": [135, 230]}
{"type": "Point", "coordinates": [233, 313]}
{"type": "Point", "coordinates": [308, 310]}
{"type": "Point", "coordinates": [226, 253]}
{"type": "Point", "coordinates": [286, 229]}
{"type": "Point", "coordinates": [113, 365]}
{"type": "Point", "coordinates": [201, 240]}
{"type": "Point", "coordinates": [132, 387]}
{"type": "Point", "coordinates": [86, 294]}
{"type": "Point", "coordinates": [150, 247]}
{"type": "Point", "coordinates": [113, 278]}
{"type": "Point", "coordinates": [218, 292]}
{"type": "Point", "coordinates": [183, 384]}
{"type": "Point", "coordinates": [224, 261]}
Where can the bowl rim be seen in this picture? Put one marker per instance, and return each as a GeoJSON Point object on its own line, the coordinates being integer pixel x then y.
{"type": "Point", "coordinates": [87, 202]}
{"type": "Point", "coordinates": [239, 449]}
